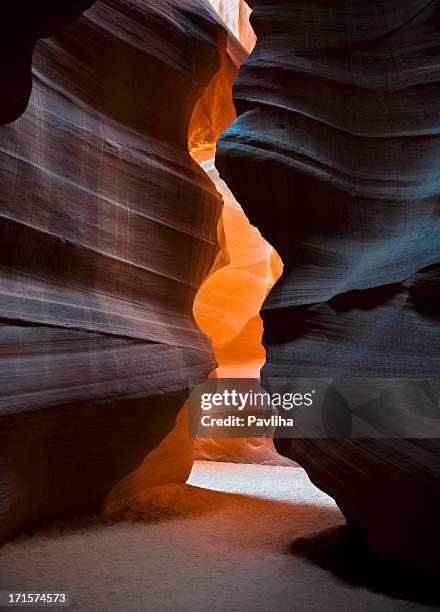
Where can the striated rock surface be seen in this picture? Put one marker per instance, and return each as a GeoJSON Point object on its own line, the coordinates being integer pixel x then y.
{"type": "Point", "coordinates": [333, 157]}
{"type": "Point", "coordinates": [108, 229]}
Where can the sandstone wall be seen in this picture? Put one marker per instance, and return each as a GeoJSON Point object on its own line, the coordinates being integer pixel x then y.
{"type": "Point", "coordinates": [108, 228]}
{"type": "Point", "coordinates": [334, 158]}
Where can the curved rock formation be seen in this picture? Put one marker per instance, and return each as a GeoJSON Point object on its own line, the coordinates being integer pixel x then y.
{"type": "Point", "coordinates": [214, 111]}
{"type": "Point", "coordinates": [108, 228]}
{"type": "Point", "coordinates": [333, 157]}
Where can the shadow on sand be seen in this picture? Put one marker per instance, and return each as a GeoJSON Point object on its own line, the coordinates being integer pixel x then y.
{"type": "Point", "coordinates": [346, 553]}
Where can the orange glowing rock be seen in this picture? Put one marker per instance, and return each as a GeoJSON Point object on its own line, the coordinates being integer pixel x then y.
{"type": "Point", "coordinates": [227, 309]}
{"type": "Point", "coordinates": [214, 111]}
{"type": "Point", "coordinates": [232, 296]}
{"type": "Point", "coordinates": [170, 462]}
{"type": "Point", "coordinates": [228, 303]}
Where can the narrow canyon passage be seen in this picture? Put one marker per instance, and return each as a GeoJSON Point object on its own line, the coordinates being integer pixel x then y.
{"type": "Point", "coordinates": [227, 308]}
{"type": "Point", "coordinates": [167, 547]}
{"type": "Point", "coordinates": [227, 305]}
{"type": "Point", "coordinates": [146, 148]}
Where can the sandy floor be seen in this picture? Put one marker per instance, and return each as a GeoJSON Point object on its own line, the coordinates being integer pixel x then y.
{"type": "Point", "coordinates": [195, 550]}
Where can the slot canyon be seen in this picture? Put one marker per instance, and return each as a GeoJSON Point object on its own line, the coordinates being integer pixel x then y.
{"type": "Point", "coordinates": [198, 190]}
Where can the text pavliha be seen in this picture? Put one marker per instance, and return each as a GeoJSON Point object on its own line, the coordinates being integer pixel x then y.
{"type": "Point", "coordinates": [250, 420]}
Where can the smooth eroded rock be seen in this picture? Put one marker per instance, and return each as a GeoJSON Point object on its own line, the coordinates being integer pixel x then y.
{"type": "Point", "coordinates": [108, 228]}
{"type": "Point", "coordinates": [333, 156]}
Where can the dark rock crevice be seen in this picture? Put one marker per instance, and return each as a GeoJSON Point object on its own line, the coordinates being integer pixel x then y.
{"type": "Point", "coordinates": [333, 156]}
